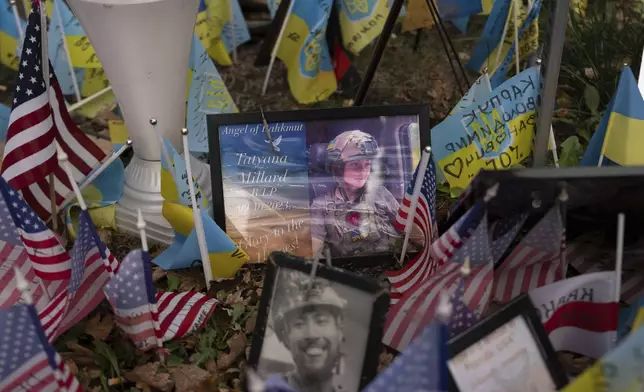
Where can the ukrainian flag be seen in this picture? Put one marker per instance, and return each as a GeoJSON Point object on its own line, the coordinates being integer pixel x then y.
{"type": "Point", "coordinates": [305, 52]}
{"type": "Point", "coordinates": [225, 257]}
{"type": "Point", "coordinates": [618, 371]}
{"type": "Point", "coordinates": [619, 139]}
{"type": "Point", "coordinates": [9, 38]}
{"type": "Point", "coordinates": [214, 27]}
{"type": "Point", "coordinates": [174, 183]}
{"type": "Point", "coordinates": [207, 94]}
{"type": "Point", "coordinates": [101, 197]}
{"type": "Point", "coordinates": [361, 21]}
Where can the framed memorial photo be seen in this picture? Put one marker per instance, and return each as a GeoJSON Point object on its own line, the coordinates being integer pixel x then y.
{"type": "Point", "coordinates": [310, 179]}
{"type": "Point", "coordinates": [507, 351]}
{"type": "Point", "coordinates": [318, 333]}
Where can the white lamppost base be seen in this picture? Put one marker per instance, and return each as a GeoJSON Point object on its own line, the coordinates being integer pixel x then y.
{"type": "Point", "coordinates": [143, 190]}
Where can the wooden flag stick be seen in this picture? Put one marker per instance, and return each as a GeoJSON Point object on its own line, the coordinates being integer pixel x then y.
{"type": "Point", "coordinates": [63, 160]}
{"type": "Point", "coordinates": [196, 212]}
{"type": "Point", "coordinates": [140, 224]}
{"type": "Point", "coordinates": [422, 168]}
{"type": "Point", "coordinates": [278, 41]}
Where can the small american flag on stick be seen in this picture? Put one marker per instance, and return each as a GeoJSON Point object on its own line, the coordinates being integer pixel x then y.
{"type": "Point", "coordinates": [536, 261]}
{"type": "Point", "coordinates": [439, 252]}
{"type": "Point", "coordinates": [27, 361]}
{"type": "Point", "coordinates": [38, 117]}
{"type": "Point", "coordinates": [150, 318]}
{"type": "Point", "coordinates": [424, 217]}
{"type": "Point", "coordinates": [50, 261]}
{"type": "Point", "coordinates": [417, 308]}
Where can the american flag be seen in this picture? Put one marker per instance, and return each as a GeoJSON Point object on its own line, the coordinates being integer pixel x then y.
{"type": "Point", "coordinates": [148, 318]}
{"type": "Point", "coordinates": [425, 218]}
{"type": "Point", "coordinates": [38, 117]}
{"type": "Point", "coordinates": [536, 261]}
{"type": "Point", "coordinates": [439, 252]}
{"type": "Point", "coordinates": [418, 368]}
{"type": "Point", "coordinates": [27, 361]}
{"type": "Point", "coordinates": [92, 264]}
{"type": "Point", "coordinates": [14, 255]}
{"type": "Point", "coordinates": [462, 317]}
{"type": "Point", "coordinates": [503, 232]}
{"type": "Point", "coordinates": [416, 309]}
{"type": "Point", "coordinates": [50, 261]}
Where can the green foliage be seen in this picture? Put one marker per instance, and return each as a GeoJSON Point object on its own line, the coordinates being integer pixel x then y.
{"type": "Point", "coordinates": [597, 46]}
{"type": "Point", "coordinates": [571, 152]}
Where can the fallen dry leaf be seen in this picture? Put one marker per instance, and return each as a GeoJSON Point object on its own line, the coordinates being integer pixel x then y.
{"type": "Point", "coordinates": [190, 279]}
{"type": "Point", "coordinates": [188, 378]}
{"type": "Point", "coordinates": [211, 366]}
{"type": "Point", "coordinates": [149, 374]}
{"type": "Point", "coordinates": [246, 278]}
{"type": "Point", "coordinates": [250, 323]}
{"type": "Point", "coordinates": [236, 347]}
{"type": "Point", "coordinates": [234, 298]}
{"type": "Point", "coordinates": [158, 274]}
{"type": "Point", "coordinates": [100, 326]}
{"type": "Point", "coordinates": [71, 365]}
{"type": "Point", "coordinates": [80, 355]}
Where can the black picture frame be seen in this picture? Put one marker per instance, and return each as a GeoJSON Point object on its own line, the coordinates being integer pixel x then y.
{"type": "Point", "coordinates": [522, 307]}
{"type": "Point", "coordinates": [214, 121]}
{"type": "Point", "coordinates": [278, 261]}
{"type": "Point", "coordinates": [595, 195]}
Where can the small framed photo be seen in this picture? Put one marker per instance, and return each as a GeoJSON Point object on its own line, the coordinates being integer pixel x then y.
{"type": "Point", "coordinates": [307, 179]}
{"type": "Point", "coordinates": [507, 351]}
{"type": "Point", "coordinates": [321, 333]}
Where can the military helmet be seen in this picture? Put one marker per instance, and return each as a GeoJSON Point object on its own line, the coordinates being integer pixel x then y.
{"type": "Point", "coordinates": [350, 146]}
{"type": "Point", "coordinates": [296, 296]}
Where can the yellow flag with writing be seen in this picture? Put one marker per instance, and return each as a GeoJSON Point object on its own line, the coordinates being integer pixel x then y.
{"type": "Point", "coordinates": [361, 21]}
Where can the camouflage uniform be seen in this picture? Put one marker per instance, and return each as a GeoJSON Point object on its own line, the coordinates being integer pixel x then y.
{"type": "Point", "coordinates": [361, 226]}
{"type": "Point", "coordinates": [294, 296]}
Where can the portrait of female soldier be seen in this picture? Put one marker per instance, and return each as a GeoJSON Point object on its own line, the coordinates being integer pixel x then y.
{"type": "Point", "coordinates": [357, 215]}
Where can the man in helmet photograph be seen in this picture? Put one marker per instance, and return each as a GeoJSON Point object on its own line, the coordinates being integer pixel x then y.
{"type": "Point", "coordinates": [357, 215]}
{"type": "Point", "coordinates": [308, 319]}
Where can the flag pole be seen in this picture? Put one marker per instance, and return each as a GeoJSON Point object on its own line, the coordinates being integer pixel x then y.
{"type": "Point", "coordinates": [59, 20]}
{"type": "Point", "coordinates": [516, 37]}
{"type": "Point", "coordinates": [45, 74]}
{"type": "Point", "coordinates": [63, 160]}
{"type": "Point", "coordinates": [140, 224]}
{"type": "Point", "coordinates": [14, 10]}
{"type": "Point", "coordinates": [104, 165]}
{"type": "Point", "coordinates": [422, 168]}
{"type": "Point", "coordinates": [277, 46]}
{"type": "Point", "coordinates": [201, 235]}
{"type": "Point", "coordinates": [552, 144]}
{"type": "Point", "coordinates": [499, 50]}
{"type": "Point", "coordinates": [444, 313]}
{"type": "Point", "coordinates": [231, 10]}
{"type": "Point", "coordinates": [92, 97]}
{"type": "Point", "coordinates": [619, 257]}
{"type": "Point", "coordinates": [164, 150]}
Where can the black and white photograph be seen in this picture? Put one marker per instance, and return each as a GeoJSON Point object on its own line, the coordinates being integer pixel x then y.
{"type": "Point", "coordinates": [317, 331]}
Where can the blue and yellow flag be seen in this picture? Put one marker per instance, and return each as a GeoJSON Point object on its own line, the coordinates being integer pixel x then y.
{"type": "Point", "coordinates": [101, 197]}
{"type": "Point", "coordinates": [361, 21]}
{"type": "Point", "coordinates": [528, 41]}
{"type": "Point", "coordinates": [618, 371]}
{"type": "Point", "coordinates": [485, 51]}
{"type": "Point", "coordinates": [174, 179]}
{"type": "Point", "coordinates": [214, 27]}
{"type": "Point", "coordinates": [9, 37]}
{"type": "Point", "coordinates": [225, 257]}
{"type": "Point", "coordinates": [57, 54]}
{"type": "Point", "coordinates": [305, 52]}
{"type": "Point", "coordinates": [207, 94]}
{"type": "Point", "coordinates": [494, 133]}
{"type": "Point", "coordinates": [81, 50]}
{"type": "Point", "coordinates": [623, 139]}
